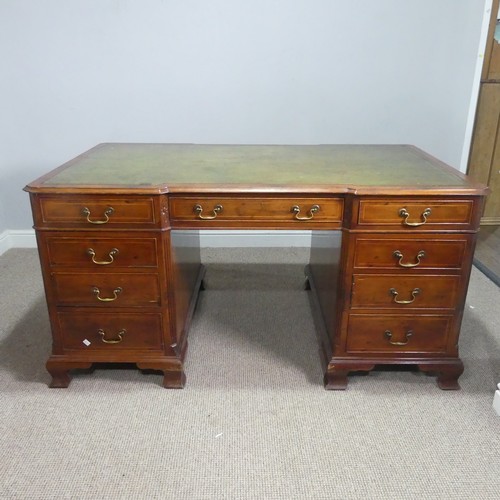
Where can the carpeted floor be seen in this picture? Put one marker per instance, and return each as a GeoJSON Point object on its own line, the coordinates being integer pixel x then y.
{"type": "Point", "coordinates": [254, 421]}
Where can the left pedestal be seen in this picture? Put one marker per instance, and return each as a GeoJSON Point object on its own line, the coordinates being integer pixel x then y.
{"type": "Point", "coordinates": [121, 287]}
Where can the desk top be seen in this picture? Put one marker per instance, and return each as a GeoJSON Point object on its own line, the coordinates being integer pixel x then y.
{"type": "Point", "coordinates": [192, 168]}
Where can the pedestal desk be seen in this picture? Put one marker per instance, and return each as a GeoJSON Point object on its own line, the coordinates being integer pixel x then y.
{"type": "Point", "coordinates": [117, 232]}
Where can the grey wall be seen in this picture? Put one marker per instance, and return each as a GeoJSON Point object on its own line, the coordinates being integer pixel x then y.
{"type": "Point", "coordinates": [79, 72]}
{"type": "Point", "coordinates": [3, 222]}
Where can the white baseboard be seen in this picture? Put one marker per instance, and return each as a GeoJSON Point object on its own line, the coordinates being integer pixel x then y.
{"type": "Point", "coordinates": [17, 238]}
{"type": "Point", "coordinates": [263, 239]}
{"type": "Point", "coordinates": [496, 401]}
{"type": "Point", "coordinates": [214, 239]}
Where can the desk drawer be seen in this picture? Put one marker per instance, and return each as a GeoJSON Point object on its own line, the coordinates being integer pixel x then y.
{"type": "Point", "coordinates": [213, 209]}
{"type": "Point", "coordinates": [101, 253]}
{"type": "Point", "coordinates": [110, 331]}
{"type": "Point", "coordinates": [94, 212]}
{"type": "Point", "coordinates": [397, 291]}
{"type": "Point", "coordinates": [406, 252]}
{"type": "Point", "coordinates": [416, 214]}
{"type": "Point", "coordinates": [106, 289]}
{"type": "Point", "coordinates": [371, 333]}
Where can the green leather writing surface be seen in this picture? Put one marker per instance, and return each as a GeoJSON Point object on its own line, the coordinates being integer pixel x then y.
{"type": "Point", "coordinates": [180, 164]}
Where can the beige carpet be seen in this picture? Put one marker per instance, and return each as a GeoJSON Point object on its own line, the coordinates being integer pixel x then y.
{"type": "Point", "coordinates": [254, 421]}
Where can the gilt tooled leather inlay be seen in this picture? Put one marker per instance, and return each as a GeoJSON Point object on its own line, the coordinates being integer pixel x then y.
{"type": "Point", "coordinates": [143, 165]}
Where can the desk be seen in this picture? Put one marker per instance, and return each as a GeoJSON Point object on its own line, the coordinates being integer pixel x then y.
{"type": "Point", "coordinates": [117, 232]}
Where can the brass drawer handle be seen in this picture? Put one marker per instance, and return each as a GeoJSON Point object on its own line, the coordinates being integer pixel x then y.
{"type": "Point", "coordinates": [310, 214]}
{"type": "Point", "coordinates": [395, 294]}
{"type": "Point", "coordinates": [399, 255]}
{"type": "Point", "coordinates": [388, 335]}
{"type": "Point", "coordinates": [107, 213]}
{"type": "Point", "coordinates": [112, 253]}
{"type": "Point", "coordinates": [97, 292]}
{"type": "Point", "coordinates": [404, 213]}
{"type": "Point", "coordinates": [120, 334]}
{"type": "Point", "coordinates": [216, 210]}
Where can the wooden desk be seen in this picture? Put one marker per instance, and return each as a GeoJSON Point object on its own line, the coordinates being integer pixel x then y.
{"type": "Point", "coordinates": [121, 282]}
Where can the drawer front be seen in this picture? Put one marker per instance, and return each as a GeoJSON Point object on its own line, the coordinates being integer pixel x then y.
{"type": "Point", "coordinates": [416, 215]}
{"type": "Point", "coordinates": [93, 212]}
{"type": "Point", "coordinates": [403, 291]}
{"type": "Point", "coordinates": [107, 331]}
{"type": "Point", "coordinates": [293, 210]}
{"type": "Point", "coordinates": [415, 253]}
{"type": "Point", "coordinates": [102, 253]}
{"type": "Point", "coordinates": [106, 289]}
{"type": "Point", "coordinates": [371, 333]}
